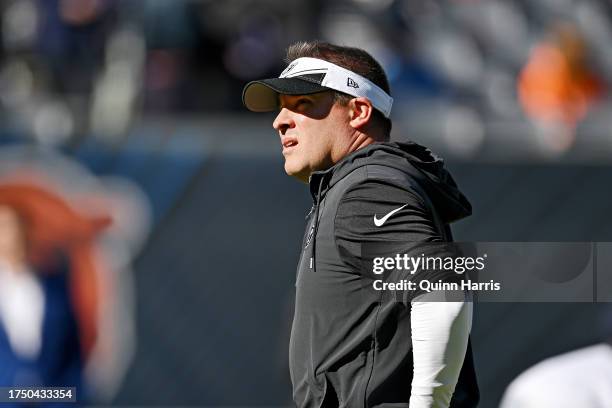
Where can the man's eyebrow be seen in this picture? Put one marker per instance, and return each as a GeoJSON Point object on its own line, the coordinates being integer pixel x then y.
{"type": "Point", "coordinates": [294, 98]}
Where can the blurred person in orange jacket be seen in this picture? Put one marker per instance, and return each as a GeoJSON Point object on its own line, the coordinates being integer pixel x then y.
{"type": "Point", "coordinates": [557, 87]}
{"type": "Point", "coordinates": [48, 288]}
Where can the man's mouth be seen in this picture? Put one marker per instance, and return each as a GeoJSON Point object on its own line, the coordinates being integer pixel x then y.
{"type": "Point", "coordinates": [288, 142]}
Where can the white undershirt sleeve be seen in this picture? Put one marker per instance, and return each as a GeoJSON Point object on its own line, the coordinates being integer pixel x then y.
{"type": "Point", "coordinates": [440, 333]}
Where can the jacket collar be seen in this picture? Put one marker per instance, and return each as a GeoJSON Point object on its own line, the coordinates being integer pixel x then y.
{"type": "Point", "coordinates": [320, 180]}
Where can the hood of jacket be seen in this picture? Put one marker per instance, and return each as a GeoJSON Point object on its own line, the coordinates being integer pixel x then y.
{"type": "Point", "coordinates": [409, 157]}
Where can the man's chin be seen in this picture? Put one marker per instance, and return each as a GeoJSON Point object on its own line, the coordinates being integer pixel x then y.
{"type": "Point", "coordinates": [300, 174]}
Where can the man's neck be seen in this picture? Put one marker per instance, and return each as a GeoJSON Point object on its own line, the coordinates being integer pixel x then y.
{"type": "Point", "coordinates": [360, 141]}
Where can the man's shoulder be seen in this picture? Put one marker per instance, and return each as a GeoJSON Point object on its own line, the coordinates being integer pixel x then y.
{"type": "Point", "coordinates": [379, 180]}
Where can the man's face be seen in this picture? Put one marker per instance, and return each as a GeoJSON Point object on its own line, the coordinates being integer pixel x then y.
{"type": "Point", "coordinates": [312, 129]}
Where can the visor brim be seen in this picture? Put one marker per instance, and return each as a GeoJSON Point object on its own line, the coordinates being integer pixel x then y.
{"type": "Point", "coordinates": [262, 95]}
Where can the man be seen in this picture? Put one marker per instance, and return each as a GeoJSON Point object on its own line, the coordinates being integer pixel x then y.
{"type": "Point", "coordinates": [348, 348]}
{"type": "Point", "coordinates": [579, 378]}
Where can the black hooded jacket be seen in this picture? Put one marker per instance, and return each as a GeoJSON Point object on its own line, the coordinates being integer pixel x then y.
{"type": "Point", "coordinates": [348, 348]}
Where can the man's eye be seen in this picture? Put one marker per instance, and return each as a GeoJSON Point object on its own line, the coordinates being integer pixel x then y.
{"type": "Point", "coordinates": [302, 102]}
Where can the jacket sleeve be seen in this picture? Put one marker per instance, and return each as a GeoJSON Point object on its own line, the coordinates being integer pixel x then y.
{"type": "Point", "coordinates": [440, 330]}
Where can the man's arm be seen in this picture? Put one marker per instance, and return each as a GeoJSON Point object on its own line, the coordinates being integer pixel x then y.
{"type": "Point", "coordinates": [440, 330]}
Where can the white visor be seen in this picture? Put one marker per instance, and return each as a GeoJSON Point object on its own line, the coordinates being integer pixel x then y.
{"type": "Point", "coordinates": [314, 75]}
{"type": "Point", "coordinates": [341, 79]}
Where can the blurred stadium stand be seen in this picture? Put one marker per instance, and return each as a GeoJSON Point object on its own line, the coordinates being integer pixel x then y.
{"type": "Point", "coordinates": [150, 91]}
{"type": "Point", "coordinates": [162, 164]}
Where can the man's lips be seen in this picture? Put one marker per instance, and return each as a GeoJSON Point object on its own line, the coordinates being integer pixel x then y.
{"type": "Point", "coordinates": [288, 142]}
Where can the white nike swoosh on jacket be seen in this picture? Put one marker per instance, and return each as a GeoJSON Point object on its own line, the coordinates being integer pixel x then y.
{"type": "Point", "coordinates": [380, 222]}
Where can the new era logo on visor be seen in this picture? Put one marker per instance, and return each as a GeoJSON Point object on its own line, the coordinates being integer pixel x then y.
{"type": "Point", "coordinates": [351, 83]}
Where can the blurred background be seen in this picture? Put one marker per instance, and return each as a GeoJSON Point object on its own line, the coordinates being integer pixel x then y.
{"type": "Point", "coordinates": [164, 253]}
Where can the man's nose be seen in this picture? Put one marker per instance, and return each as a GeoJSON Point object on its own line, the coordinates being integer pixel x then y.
{"type": "Point", "coordinates": [283, 121]}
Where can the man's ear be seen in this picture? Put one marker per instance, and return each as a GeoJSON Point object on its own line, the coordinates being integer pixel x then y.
{"type": "Point", "coordinates": [360, 111]}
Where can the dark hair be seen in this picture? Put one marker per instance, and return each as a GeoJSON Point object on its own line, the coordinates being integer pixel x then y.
{"type": "Point", "coordinates": [354, 59]}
